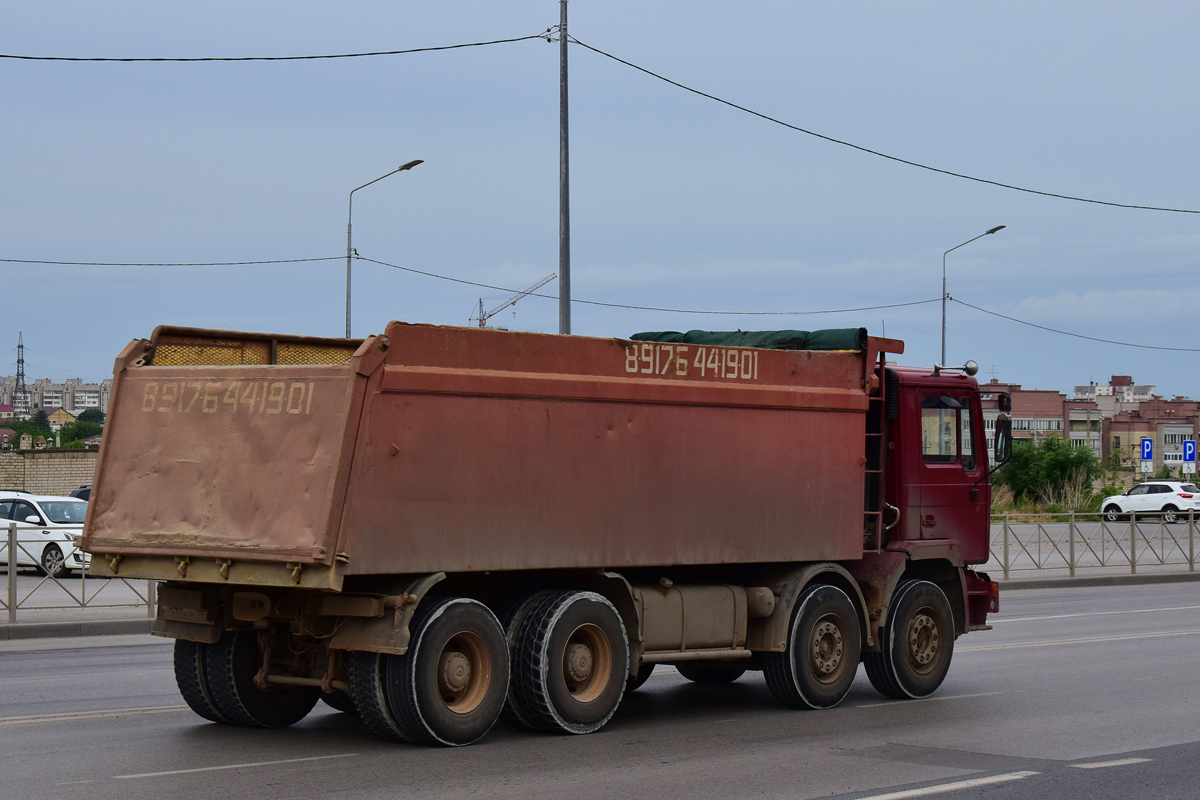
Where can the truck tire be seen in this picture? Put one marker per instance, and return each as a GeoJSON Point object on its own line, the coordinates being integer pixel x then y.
{"type": "Point", "coordinates": [231, 665]}
{"type": "Point", "coordinates": [824, 642]}
{"type": "Point", "coordinates": [192, 680]}
{"type": "Point", "coordinates": [368, 673]}
{"type": "Point", "coordinates": [450, 686]}
{"type": "Point", "coordinates": [916, 645]}
{"type": "Point", "coordinates": [715, 674]}
{"type": "Point", "coordinates": [644, 673]}
{"type": "Point", "coordinates": [512, 615]}
{"type": "Point", "coordinates": [571, 662]}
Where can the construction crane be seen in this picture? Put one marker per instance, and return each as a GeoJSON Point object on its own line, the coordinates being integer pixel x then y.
{"type": "Point", "coordinates": [485, 316]}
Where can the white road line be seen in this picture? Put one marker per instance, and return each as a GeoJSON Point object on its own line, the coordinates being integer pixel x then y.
{"type": "Point", "coordinates": [952, 787]}
{"type": "Point", "coordinates": [1074, 641]}
{"type": "Point", "coordinates": [994, 621]}
{"type": "Point", "coordinates": [1120, 762]}
{"type": "Point", "coordinates": [925, 700]}
{"type": "Point", "coordinates": [77, 715]}
{"type": "Point", "coordinates": [231, 766]}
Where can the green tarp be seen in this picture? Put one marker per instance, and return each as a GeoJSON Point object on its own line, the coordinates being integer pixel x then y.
{"type": "Point", "coordinates": [832, 339]}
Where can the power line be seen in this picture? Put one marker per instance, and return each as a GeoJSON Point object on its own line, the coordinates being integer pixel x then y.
{"type": "Point", "coordinates": [869, 151]}
{"type": "Point", "coordinates": [649, 308]}
{"type": "Point", "coordinates": [284, 58]}
{"type": "Point", "coordinates": [1075, 335]}
{"type": "Point", "coordinates": [177, 264]}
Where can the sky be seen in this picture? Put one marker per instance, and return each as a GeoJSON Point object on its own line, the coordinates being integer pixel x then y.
{"type": "Point", "coordinates": [676, 201]}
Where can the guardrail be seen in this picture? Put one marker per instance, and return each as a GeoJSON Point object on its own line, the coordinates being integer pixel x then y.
{"type": "Point", "coordinates": [1070, 542]}
{"type": "Point", "coordinates": [59, 592]}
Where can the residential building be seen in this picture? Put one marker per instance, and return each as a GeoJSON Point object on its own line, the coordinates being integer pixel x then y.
{"type": "Point", "coordinates": [72, 394]}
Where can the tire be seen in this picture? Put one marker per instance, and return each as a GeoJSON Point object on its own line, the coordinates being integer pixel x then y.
{"type": "Point", "coordinates": [571, 662]}
{"type": "Point", "coordinates": [192, 679]}
{"type": "Point", "coordinates": [368, 673]}
{"type": "Point", "coordinates": [1113, 513]}
{"type": "Point", "coordinates": [917, 643]}
{"type": "Point", "coordinates": [644, 673]}
{"type": "Point", "coordinates": [231, 665]}
{"type": "Point", "coordinates": [1170, 514]}
{"type": "Point", "coordinates": [512, 615]}
{"type": "Point", "coordinates": [52, 562]}
{"type": "Point", "coordinates": [450, 686]}
{"type": "Point", "coordinates": [824, 643]}
{"type": "Point", "coordinates": [713, 674]}
{"type": "Point", "coordinates": [339, 701]}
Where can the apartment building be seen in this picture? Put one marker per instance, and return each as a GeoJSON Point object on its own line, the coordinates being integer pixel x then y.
{"type": "Point", "coordinates": [72, 394]}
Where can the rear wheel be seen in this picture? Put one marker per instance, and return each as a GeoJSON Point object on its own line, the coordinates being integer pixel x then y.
{"type": "Point", "coordinates": [52, 562]}
{"type": "Point", "coordinates": [1170, 514]}
{"type": "Point", "coordinates": [451, 684]}
{"type": "Point", "coordinates": [368, 671]}
{"type": "Point", "coordinates": [231, 666]}
{"type": "Point", "coordinates": [917, 643]}
{"type": "Point", "coordinates": [822, 654]}
{"type": "Point", "coordinates": [714, 674]}
{"type": "Point", "coordinates": [512, 616]}
{"type": "Point", "coordinates": [192, 679]}
{"type": "Point", "coordinates": [1112, 513]}
{"type": "Point", "coordinates": [571, 662]}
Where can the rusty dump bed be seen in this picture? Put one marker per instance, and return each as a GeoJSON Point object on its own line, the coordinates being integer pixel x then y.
{"type": "Point", "coordinates": [465, 449]}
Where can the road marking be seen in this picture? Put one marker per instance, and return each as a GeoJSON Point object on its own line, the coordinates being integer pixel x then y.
{"type": "Point", "coordinates": [1120, 762]}
{"type": "Point", "coordinates": [925, 700]}
{"type": "Point", "coordinates": [1074, 641]}
{"type": "Point", "coordinates": [952, 787]}
{"type": "Point", "coordinates": [1097, 614]}
{"type": "Point", "coordinates": [76, 715]}
{"type": "Point", "coordinates": [73, 783]}
{"type": "Point", "coordinates": [231, 766]}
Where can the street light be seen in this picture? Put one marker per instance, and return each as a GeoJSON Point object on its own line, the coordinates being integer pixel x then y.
{"type": "Point", "coordinates": [944, 295]}
{"type": "Point", "coordinates": [349, 217]}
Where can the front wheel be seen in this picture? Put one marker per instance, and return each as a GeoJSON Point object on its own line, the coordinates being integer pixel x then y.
{"type": "Point", "coordinates": [917, 643]}
{"type": "Point", "coordinates": [1112, 513]}
{"type": "Point", "coordinates": [822, 654]}
{"type": "Point", "coordinates": [53, 563]}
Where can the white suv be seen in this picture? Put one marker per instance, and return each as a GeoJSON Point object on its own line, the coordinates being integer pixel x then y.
{"type": "Point", "coordinates": [48, 528]}
{"type": "Point", "coordinates": [1159, 498]}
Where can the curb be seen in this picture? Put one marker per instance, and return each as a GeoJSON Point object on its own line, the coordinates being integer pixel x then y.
{"type": "Point", "coordinates": [1099, 580]}
{"type": "Point", "coordinates": [39, 630]}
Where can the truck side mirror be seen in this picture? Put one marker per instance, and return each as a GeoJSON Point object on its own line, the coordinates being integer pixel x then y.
{"type": "Point", "coordinates": [1003, 447]}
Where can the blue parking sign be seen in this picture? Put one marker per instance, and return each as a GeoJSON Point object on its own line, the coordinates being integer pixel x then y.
{"type": "Point", "coordinates": [1189, 450]}
{"type": "Point", "coordinates": [1147, 449]}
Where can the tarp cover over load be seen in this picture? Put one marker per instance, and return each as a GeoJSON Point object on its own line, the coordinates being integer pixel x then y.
{"type": "Point", "coordinates": [854, 339]}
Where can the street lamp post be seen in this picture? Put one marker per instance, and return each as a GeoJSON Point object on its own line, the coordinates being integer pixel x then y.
{"type": "Point", "coordinates": [944, 294]}
{"type": "Point", "coordinates": [349, 226]}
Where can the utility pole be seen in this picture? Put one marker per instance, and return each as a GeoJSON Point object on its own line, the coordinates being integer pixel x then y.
{"type": "Point", "coordinates": [564, 184]}
{"type": "Point", "coordinates": [20, 390]}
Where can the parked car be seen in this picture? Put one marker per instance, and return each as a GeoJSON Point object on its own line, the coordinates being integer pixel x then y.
{"type": "Point", "coordinates": [1167, 499]}
{"type": "Point", "coordinates": [48, 530]}
{"type": "Point", "coordinates": [83, 492]}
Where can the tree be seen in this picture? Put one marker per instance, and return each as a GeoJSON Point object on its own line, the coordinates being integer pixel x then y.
{"type": "Point", "coordinates": [41, 421]}
{"type": "Point", "coordinates": [74, 431]}
{"type": "Point", "coordinates": [1036, 471]}
{"type": "Point", "coordinates": [92, 415]}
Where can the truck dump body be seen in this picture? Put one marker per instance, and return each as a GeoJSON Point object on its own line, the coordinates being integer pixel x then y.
{"type": "Point", "coordinates": [463, 449]}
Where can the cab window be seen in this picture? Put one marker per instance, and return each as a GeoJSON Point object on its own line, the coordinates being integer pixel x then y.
{"type": "Point", "coordinates": [947, 431]}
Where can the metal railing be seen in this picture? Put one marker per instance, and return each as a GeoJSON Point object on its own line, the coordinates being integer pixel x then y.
{"type": "Point", "coordinates": [59, 592]}
{"type": "Point", "coordinates": [1070, 542]}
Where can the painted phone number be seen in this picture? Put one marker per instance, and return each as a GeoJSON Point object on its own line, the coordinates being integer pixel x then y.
{"type": "Point", "coordinates": [245, 397]}
{"type": "Point", "coordinates": [677, 360]}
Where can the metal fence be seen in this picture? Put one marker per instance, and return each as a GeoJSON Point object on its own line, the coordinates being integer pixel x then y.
{"type": "Point", "coordinates": [1022, 544]}
{"type": "Point", "coordinates": [48, 593]}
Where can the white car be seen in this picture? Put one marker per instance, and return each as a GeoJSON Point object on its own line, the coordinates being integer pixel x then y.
{"type": "Point", "coordinates": [48, 530]}
{"type": "Point", "coordinates": [1168, 499]}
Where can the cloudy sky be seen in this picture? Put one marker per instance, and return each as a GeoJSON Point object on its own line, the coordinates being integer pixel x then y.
{"type": "Point", "coordinates": [677, 201]}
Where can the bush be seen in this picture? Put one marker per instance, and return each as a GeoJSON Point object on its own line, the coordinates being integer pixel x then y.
{"type": "Point", "coordinates": [1051, 472]}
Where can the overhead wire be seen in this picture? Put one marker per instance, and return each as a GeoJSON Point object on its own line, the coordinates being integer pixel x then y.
{"type": "Point", "coordinates": [870, 151]}
{"type": "Point", "coordinates": [167, 264]}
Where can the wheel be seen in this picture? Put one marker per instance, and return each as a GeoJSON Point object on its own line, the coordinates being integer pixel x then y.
{"type": "Point", "coordinates": [52, 562]}
{"type": "Point", "coordinates": [1170, 514]}
{"type": "Point", "coordinates": [571, 662]}
{"type": "Point", "coordinates": [713, 673]}
{"type": "Point", "coordinates": [368, 673]}
{"type": "Point", "coordinates": [512, 615]}
{"type": "Point", "coordinates": [644, 673]}
{"type": "Point", "coordinates": [339, 701]}
{"type": "Point", "coordinates": [824, 643]}
{"type": "Point", "coordinates": [1113, 513]}
{"type": "Point", "coordinates": [231, 666]}
{"type": "Point", "coordinates": [916, 645]}
{"type": "Point", "coordinates": [191, 677]}
{"type": "Point", "coordinates": [450, 686]}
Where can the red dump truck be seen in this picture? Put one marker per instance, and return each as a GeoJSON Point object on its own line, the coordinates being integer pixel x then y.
{"type": "Point", "coordinates": [439, 527]}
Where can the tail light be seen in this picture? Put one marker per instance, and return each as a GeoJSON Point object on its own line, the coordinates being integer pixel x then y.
{"type": "Point", "coordinates": [1181, 494]}
{"type": "Point", "coordinates": [993, 597]}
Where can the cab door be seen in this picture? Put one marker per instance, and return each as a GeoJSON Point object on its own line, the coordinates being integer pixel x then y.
{"type": "Point", "coordinates": [955, 498]}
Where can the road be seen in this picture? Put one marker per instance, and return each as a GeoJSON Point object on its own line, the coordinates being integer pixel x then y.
{"type": "Point", "coordinates": [1088, 693]}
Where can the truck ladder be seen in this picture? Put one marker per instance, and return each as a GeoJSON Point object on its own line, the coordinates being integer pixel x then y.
{"type": "Point", "coordinates": [875, 459]}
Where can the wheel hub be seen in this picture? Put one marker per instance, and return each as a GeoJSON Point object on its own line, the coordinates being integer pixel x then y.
{"type": "Point", "coordinates": [455, 671]}
{"type": "Point", "coordinates": [827, 647]}
{"type": "Point", "coordinates": [923, 639]}
{"type": "Point", "coordinates": [579, 662]}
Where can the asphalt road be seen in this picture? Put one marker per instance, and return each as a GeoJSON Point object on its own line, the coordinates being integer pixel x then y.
{"type": "Point", "coordinates": [1076, 693]}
